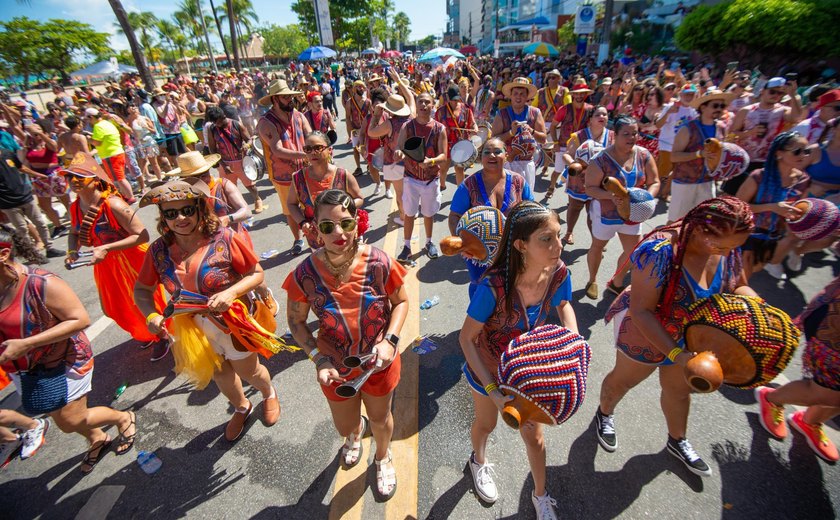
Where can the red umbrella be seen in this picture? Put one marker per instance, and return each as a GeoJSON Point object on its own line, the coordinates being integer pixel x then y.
{"type": "Point", "coordinates": [391, 54]}
{"type": "Point", "coordinates": [469, 49]}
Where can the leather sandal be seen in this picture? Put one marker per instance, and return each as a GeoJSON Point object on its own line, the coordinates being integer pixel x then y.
{"type": "Point", "coordinates": [569, 238]}
{"type": "Point", "coordinates": [90, 459]}
{"type": "Point", "coordinates": [386, 476]}
{"type": "Point", "coordinates": [127, 441]}
{"type": "Point", "coordinates": [353, 446]}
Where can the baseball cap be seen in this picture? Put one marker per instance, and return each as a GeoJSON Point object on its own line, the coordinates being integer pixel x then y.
{"type": "Point", "coordinates": [91, 112]}
{"type": "Point", "coordinates": [688, 89]}
{"type": "Point", "coordinates": [775, 82]}
{"type": "Point", "coordinates": [453, 94]}
{"type": "Point", "coordinates": [831, 96]}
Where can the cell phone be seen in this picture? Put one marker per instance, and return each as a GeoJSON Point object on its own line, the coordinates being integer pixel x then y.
{"type": "Point", "coordinates": [732, 65]}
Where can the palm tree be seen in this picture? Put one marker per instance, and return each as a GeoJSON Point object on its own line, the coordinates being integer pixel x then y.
{"type": "Point", "coordinates": [168, 31]}
{"type": "Point", "coordinates": [136, 51]}
{"type": "Point", "coordinates": [233, 39]}
{"type": "Point", "coordinates": [243, 14]}
{"type": "Point", "coordinates": [402, 27]}
{"type": "Point", "coordinates": [219, 28]}
{"type": "Point", "coordinates": [190, 15]}
{"type": "Point", "coordinates": [143, 22]}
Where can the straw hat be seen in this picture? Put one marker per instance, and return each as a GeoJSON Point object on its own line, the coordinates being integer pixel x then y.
{"type": "Point", "coordinates": [158, 92]}
{"type": "Point", "coordinates": [359, 83]}
{"type": "Point", "coordinates": [607, 81]}
{"type": "Point", "coordinates": [396, 106]}
{"type": "Point", "coordinates": [580, 87]}
{"type": "Point", "coordinates": [520, 83]}
{"type": "Point", "coordinates": [175, 190]}
{"type": "Point", "coordinates": [554, 72]}
{"type": "Point", "coordinates": [375, 77]}
{"type": "Point", "coordinates": [278, 87]}
{"type": "Point", "coordinates": [84, 165]}
{"type": "Point", "coordinates": [191, 164]}
{"type": "Point", "coordinates": [711, 95]}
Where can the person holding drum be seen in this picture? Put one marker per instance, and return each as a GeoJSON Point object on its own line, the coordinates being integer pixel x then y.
{"type": "Point", "coordinates": [357, 293]}
{"type": "Point", "coordinates": [819, 389]}
{"type": "Point", "coordinates": [515, 295]}
{"type": "Point", "coordinates": [491, 186]}
{"type": "Point", "coordinates": [230, 139]}
{"type": "Point", "coordinates": [396, 112]}
{"type": "Point", "coordinates": [101, 219]}
{"type": "Point", "coordinates": [674, 266]}
{"type": "Point", "coordinates": [457, 117]}
{"type": "Point", "coordinates": [568, 119]}
{"type": "Point", "coordinates": [422, 184]}
{"type": "Point", "coordinates": [282, 130]}
{"type": "Point", "coordinates": [633, 167]}
{"type": "Point", "coordinates": [312, 180]}
{"type": "Point", "coordinates": [521, 126]}
{"type": "Point", "coordinates": [196, 254]}
{"type": "Point", "coordinates": [356, 108]}
{"type": "Point", "coordinates": [601, 137]}
{"type": "Point", "coordinates": [771, 192]}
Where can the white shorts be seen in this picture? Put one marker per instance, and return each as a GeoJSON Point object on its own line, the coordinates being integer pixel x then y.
{"type": "Point", "coordinates": [526, 169]}
{"type": "Point", "coordinates": [605, 232]}
{"type": "Point", "coordinates": [685, 197]}
{"type": "Point", "coordinates": [393, 172]}
{"type": "Point", "coordinates": [221, 342]}
{"type": "Point", "coordinates": [78, 386]}
{"type": "Point", "coordinates": [422, 197]}
{"type": "Point", "coordinates": [559, 163]}
{"type": "Point", "coordinates": [356, 140]}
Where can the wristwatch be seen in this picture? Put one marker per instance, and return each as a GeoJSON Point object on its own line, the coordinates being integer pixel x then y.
{"type": "Point", "coordinates": [393, 339]}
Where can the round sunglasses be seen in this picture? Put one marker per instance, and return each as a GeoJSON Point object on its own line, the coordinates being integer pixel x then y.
{"type": "Point", "coordinates": [172, 214]}
{"type": "Point", "coordinates": [328, 226]}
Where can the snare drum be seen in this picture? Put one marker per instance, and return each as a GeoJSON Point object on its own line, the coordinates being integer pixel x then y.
{"type": "Point", "coordinates": [257, 146]}
{"type": "Point", "coordinates": [464, 153]}
{"type": "Point", "coordinates": [484, 131]}
{"type": "Point", "coordinates": [254, 167]}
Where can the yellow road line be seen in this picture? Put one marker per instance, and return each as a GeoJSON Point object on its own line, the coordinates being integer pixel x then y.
{"type": "Point", "coordinates": [348, 492]}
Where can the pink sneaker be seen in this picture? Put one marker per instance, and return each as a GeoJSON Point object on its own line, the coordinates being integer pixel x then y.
{"type": "Point", "coordinates": [815, 436]}
{"type": "Point", "coordinates": [772, 417]}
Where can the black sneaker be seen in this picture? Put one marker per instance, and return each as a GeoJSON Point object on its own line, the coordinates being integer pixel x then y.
{"type": "Point", "coordinates": [297, 248]}
{"type": "Point", "coordinates": [405, 257]}
{"type": "Point", "coordinates": [682, 450]}
{"type": "Point", "coordinates": [160, 349]}
{"type": "Point", "coordinates": [432, 250]}
{"type": "Point", "coordinates": [55, 253]}
{"type": "Point", "coordinates": [605, 429]}
{"type": "Point", "coordinates": [59, 231]}
{"type": "Point", "coordinates": [359, 172]}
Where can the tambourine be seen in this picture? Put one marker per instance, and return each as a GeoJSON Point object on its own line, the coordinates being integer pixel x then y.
{"type": "Point", "coordinates": [634, 205]}
{"type": "Point", "coordinates": [479, 232]}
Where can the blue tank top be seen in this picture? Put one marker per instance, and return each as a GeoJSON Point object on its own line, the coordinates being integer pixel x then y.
{"type": "Point", "coordinates": [824, 171]}
{"type": "Point", "coordinates": [714, 287]}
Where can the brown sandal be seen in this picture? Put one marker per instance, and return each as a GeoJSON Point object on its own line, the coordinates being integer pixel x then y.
{"type": "Point", "coordinates": [92, 460]}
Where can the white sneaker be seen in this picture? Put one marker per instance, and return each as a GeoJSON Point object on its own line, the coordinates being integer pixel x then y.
{"type": "Point", "coordinates": [377, 190]}
{"type": "Point", "coordinates": [398, 221]}
{"type": "Point", "coordinates": [8, 450]}
{"type": "Point", "coordinates": [776, 271]}
{"type": "Point", "coordinates": [544, 506]}
{"type": "Point", "coordinates": [34, 438]}
{"type": "Point", "coordinates": [482, 475]}
{"type": "Point", "coordinates": [389, 193]}
{"type": "Point", "coordinates": [794, 262]}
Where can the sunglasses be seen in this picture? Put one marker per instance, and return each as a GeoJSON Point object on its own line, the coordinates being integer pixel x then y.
{"type": "Point", "coordinates": [493, 151]}
{"type": "Point", "coordinates": [186, 211]}
{"type": "Point", "coordinates": [776, 92]}
{"type": "Point", "coordinates": [670, 88]}
{"type": "Point", "coordinates": [717, 106]}
{"type": "Point", "coordinates": [316, 148]}
{"type": "Point", "coordinates": [836, 108]}
{"type": "Point", "coordinates": [328, 226]}
{"type": "Point", "coordinates": [800, 151]}
{"type": "Point", "coordinates": [638, 89]}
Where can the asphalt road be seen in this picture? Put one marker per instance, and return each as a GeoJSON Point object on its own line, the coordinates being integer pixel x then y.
{"type": "Point", "coordinates": [291, 470]}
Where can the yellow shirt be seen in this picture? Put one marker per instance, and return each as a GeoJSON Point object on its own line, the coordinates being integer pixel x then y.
{"type": "Point", "coordinates": [109, 139]}
{"type": "Point", "coordinates": [567, 98]}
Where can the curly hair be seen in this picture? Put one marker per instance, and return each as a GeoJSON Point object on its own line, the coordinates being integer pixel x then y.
{"type": "Point", "coordinates": [20, 246]}
{"type": "Point", "coordinates": [208, 222]}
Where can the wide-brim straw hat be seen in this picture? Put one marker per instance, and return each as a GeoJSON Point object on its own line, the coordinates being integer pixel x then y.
{"type": "Point", "coordinates": [192, 164]}
{"type": "Point", "coordinates": [711, 95]}
{"type": "Point", "coordinates": [520, 83]}
{"type": "Point", "coordinates": [395, 105]}
{"type": "Point", "coordinates": [554, 72]}
{"type": "Point", "coordinates": [174, 191]}
{"type": "Point", "coordinates": [277, 87]}
{"type": "Point", "coordinates": [84, 165]}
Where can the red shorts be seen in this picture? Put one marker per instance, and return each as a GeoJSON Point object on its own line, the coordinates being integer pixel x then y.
{"type": "Point", "coordinates": [114, 166]}
{"type": "Point", "coordinates": [379, 384]}
{"type": "Point", "coordinates": [373, 145]}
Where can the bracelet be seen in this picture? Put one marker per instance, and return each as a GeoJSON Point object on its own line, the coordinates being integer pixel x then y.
{"type": "Point", "coordinates": [490, 387]}
{"type": "Point", "coordinates": [313, 353]}
{"type": "Point", "coordinates": [699, 154]}
{"type": "Point", "coordinates": [151, 316]}
{"type": "Point", "coordinates": [433, 162]}
{"type": "Point", "coordinates": [321, 361]}
{"type": "Point", "coordinates": [672, 356]}
{"type": "Point", "coordinates": [72, 252]}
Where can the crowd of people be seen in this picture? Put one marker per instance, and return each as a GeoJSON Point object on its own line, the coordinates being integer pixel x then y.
{"type": "Point", "coordinates": [640, 124]}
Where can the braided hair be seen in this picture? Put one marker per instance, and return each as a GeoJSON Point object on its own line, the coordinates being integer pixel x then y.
{"type": "Point", "coordinates": [770, 188]}
{"type": "Point", "coordinates": [522, 221]}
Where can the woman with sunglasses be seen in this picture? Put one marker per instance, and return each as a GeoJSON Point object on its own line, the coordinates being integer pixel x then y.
{"type": "Point", "coordinates": [197, 254]}
{"type": "Point", "coordinates": [771, 192]}
{"type": "Point", "coordinates": [311, 181]}
{"type": "Point", "coordinates": [491, 186]}
{"type": "Point", "coordinates": [515, 295]}
{"type": "Point", "coordinates": [648, 131]}
{"type": "Point", "coordinates": [102, 220]}
{"type": "Point", "coordinates": [358, 295]}
{"type": "Point", "coordinates": [48, 354]}
{"type": "Point", "coordinates": [634, 103]}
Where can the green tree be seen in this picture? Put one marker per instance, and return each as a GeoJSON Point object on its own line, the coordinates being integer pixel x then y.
{"type": "Point", "coordinates": [566, 36]}
{"type": "Point", "coordinates": [243, 15]}
{"type": "Point", "coordinates": [402, 27]}
{"type": "Point", "coordinates": [287, 41]}
{"type": "Point", "coordinates": [144, 22]}
{"type": "Point", "coordinates": [428, 42]}
{"type": "Point", "coordinates": [19, 46]}
{"type": "Point", "coordinates": [345, 16]}
{"type": "Point", "coordinates": [136, 50]}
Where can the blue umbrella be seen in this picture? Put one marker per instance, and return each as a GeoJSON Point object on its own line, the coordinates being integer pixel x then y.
{"type": "Point", "coordinates": [541, 49]}
{"type": "Point", "coordinates": [370, 51]}
{"type": "Point", "coordinates": [440, 52]}
{"type": "Point", "coordinates": [316, 53]}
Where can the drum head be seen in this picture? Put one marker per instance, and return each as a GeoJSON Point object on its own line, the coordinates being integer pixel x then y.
{"type": "Point", "coordinates": [463, 152]}
{"type": "Point", "coordinates": [258, 146]}
{"type": "Point", "coordinates": [737, 363]}
{"type": "Point", "coordinates": [249, 164]}
{"type": "Point", "coordinates": [476, 141]}
{"type": "Point", "coordinates": [378, 159]}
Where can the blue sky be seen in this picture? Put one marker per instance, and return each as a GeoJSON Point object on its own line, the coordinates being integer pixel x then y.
{"type": "Point", "coordinates": [427, 17]}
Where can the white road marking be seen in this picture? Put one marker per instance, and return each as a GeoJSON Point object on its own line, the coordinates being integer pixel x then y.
{"type": "Point", "coordinates": [98, 327]}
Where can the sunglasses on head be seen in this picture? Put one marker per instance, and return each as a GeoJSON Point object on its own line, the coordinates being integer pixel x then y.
{"type": "Point", "coordinates": [328, 226]}
{"type": "Point", "coordinates": [314, 148]}
{"type": "Point", "coordinates": [172, 214]}
{"type": "Point", "coordinates": [799, 151]}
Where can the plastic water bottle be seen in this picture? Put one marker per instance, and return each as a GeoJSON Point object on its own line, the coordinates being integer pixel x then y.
{"type": "Point", "coordinates": [149, 462]}
{"type": "Point", "coordinates": [120, 391]}
{"type": "Point", "coordinates": [428, 304]}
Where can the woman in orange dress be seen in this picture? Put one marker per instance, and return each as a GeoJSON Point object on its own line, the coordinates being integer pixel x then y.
{"type": "Point", "coordinates": [101, 218]}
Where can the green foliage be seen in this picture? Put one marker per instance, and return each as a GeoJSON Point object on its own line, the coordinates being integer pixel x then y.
{"type": "Point", "coordinates": [428, 42]}
{"type": "Point", "coordinates": [402, 26]}
{"type": "Point", "coordinates": [566, 36]}
{"type": "Point", "coordinates": [763, 28]}
{"type": "Point", "coordinates": [287, 41]}
{"type": "Point", "coordinates": [350, 21]}
{"type": "Point", "coordinates": [29, 46]}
